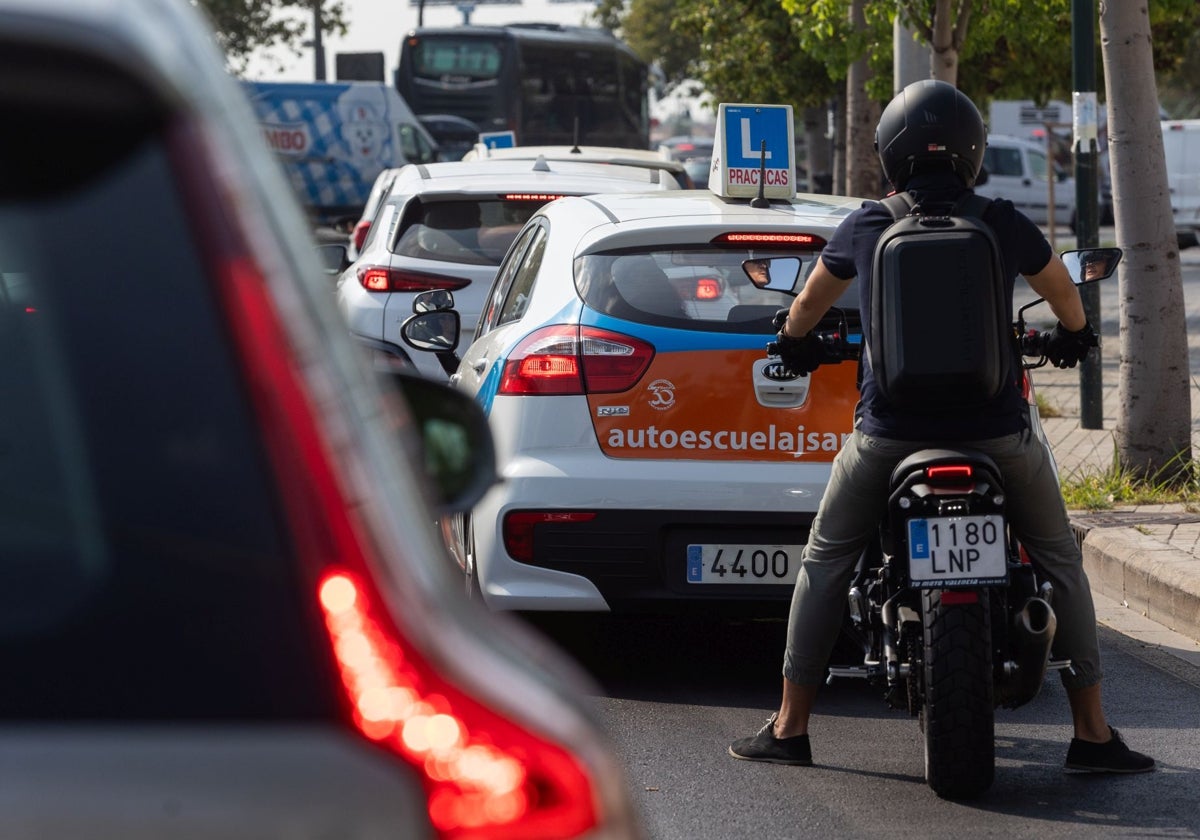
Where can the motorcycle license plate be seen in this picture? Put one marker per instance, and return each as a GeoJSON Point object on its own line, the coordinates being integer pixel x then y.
{"type": "Point", "coordinates": [956, 551]}
{"type": "Point", "coordinates": [740, 564]}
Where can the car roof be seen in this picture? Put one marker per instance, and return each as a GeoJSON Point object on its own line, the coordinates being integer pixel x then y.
{"type": "Point", "coordinates": [611, 220]}
{"type": "Point", "coordinates": [488, 176]}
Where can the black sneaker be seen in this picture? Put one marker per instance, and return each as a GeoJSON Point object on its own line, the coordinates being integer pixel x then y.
{"type": "Point", "coordinates": [1110, 757]}
{"type": "Point", "coordinates": [766, 747]}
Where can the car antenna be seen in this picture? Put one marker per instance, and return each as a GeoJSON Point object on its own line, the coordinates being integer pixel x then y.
{"type": "Point", "coordinates": [760, 200]}
{"type": "Point", "coordinates": [575, 137]}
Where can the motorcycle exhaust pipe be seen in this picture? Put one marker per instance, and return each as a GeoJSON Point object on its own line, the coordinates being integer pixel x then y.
{"type": "Point", "coordinates": [1033, 632]}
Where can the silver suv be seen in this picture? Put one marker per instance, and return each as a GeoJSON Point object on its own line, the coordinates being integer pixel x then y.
{"type": "Point", "coordinates": [224, 611]}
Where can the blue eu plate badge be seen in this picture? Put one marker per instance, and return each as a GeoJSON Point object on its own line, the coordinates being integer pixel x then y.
{"type": "Point", "coordinates": [695, 563]}
{"type": "Point", "coordinates": [918, 539]}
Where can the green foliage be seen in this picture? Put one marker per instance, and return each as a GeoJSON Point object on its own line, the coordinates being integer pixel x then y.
{"type": "Point", "coordinates": [244, 26]}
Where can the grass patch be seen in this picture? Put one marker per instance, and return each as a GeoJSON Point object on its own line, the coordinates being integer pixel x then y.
{"type": "Point", "coordinates": [1045, 408]}
{"type": "Point", "coordinates": [1102, 490]}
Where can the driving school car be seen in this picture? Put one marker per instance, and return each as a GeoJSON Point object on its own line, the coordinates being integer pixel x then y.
{"type": "Point", "coordinates": [653, 455]}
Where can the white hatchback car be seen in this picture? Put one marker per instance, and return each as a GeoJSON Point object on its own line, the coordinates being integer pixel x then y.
{"type": "Point", "coordinates": [447, 226]}
{"type": "Point", "coordinates": [653, 456]}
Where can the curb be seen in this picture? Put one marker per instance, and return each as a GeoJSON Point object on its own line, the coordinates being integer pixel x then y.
{"type": "Point", "coordinates": [1128, 557]}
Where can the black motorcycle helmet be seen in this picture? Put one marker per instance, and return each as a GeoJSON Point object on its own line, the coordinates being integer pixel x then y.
{"type": "Point", "coordinates": [930, 125]}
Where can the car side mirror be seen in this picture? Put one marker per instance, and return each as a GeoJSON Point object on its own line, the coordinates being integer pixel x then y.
{"type": "Point", "coordinates": [334, 258]}
{"type": "Point", "coordinates": [456, 441]}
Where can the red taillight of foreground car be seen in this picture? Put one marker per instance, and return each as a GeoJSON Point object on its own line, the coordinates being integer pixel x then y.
{"type": "Point", "coordinates": [485, 775]}
{"type": "Point", "coordinates": [360, 233]}
{"type": "Point", "coordinates": [565, 359]}
{"type": "Point", "coordinates": [381, 278]}
{"type": "Point", "coordinates": [518, 528]}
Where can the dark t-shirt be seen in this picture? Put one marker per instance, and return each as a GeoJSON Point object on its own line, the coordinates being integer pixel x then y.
{"type": "Point", "coordinates": [850, 253]}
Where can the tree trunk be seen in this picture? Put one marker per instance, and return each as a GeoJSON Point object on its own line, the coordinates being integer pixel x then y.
{"type": "Point", "coordinates": [1154, 419]}
{"type": "Point", "coordinates": [818, 157]}
{"type": "Point", "coordinates": [943, 60]}
{"type": "Point", "coordinates": [863, 174]}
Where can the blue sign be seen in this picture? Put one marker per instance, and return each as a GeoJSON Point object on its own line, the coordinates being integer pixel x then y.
{"type": "Point", "coordinates": [498, 139]}
{"type": "Point", "coordinates": [751, 135]}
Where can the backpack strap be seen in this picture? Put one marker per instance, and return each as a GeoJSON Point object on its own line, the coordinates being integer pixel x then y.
{"type": "Point", "coordinates": [899, 205]}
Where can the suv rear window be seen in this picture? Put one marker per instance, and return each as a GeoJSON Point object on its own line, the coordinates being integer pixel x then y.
{"type": "Point", "coordinates": [470, 231]}
{"type": "Point", "coordinates": [701, 288]}
{"type": "Point", "coordinates": [144, 572]}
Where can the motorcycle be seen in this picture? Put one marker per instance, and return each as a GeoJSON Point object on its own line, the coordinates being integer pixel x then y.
{"type": "Point", "coordinates": [946, 607]}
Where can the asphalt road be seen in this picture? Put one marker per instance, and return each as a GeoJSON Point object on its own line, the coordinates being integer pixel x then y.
{"type": "Point", "coordinates": [674, 693]}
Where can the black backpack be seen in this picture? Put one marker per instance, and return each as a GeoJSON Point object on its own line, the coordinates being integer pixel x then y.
{"type": "Point", "coordinates": [940, 331]}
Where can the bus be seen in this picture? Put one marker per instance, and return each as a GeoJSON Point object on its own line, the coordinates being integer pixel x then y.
{"type": "Point", "coordinates": [548, 84]}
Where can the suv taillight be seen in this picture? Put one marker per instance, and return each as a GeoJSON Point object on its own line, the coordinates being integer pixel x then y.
{"type": "Point", "coordinates": [360, 233]}
{"type": "Point", "coordinates": [382, 278]}
{"type": "Point", "coordinates": [484, 773]}
{"type": "Point", "coordinates": [565, 359]}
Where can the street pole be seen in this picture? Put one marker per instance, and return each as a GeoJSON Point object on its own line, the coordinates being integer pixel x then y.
{"type": "Point", "coordinates": [1087, 205]}
{"type": "Point", "coordinates": [318, 46]}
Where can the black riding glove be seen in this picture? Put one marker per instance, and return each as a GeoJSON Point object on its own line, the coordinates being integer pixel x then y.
{"type": "Point", "coordinates": [799, 356]}
{"type": "Point", "coordinates": [1065, 349]}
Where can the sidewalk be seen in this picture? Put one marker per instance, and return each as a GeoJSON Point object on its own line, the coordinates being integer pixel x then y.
{"type": "Point", "coordinates": [1145, 559]}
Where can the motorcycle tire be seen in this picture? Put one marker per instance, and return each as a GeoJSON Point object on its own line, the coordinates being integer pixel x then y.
{"type": "Point", "coordinates": [958, 713]}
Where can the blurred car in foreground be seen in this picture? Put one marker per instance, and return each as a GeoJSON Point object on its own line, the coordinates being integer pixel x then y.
{"type": "Point", "coordinates": [447, 226]}
{"type": "Point", "coordinates": [653, 456]}
{"type": "Point", "coordinates": [224, 611]}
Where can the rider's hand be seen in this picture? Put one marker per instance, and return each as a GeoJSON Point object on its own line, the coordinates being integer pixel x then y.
{"type": "Point", "coordinates": [799, 355]}
{"type": "Point", "coordinates": [1065, 349]}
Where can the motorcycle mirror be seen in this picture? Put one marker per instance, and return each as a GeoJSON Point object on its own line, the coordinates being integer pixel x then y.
{"type": "Point", "coordinates": [1091, 264]}
{"type": "Point", "coordinates": [777, 273]}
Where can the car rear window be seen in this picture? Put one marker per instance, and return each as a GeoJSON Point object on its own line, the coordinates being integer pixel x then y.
{"type": "Point", "coordinates": [701, 288]}
{"type": "Point", "coordinates": [144, 571]}
{"type": "Point", "coordinates": [470, 231]}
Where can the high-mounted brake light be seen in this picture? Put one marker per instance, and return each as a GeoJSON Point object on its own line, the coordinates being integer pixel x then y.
{"type": "Point", "coordinates": [804, 240]}
{"type": "Point", "coordinates": [382, 278]}
{"type": "Point", "coordinates": [542, 197]}
{"type": "Point", "coordinates": [484, 774]}
{"type": "Point", "coordinates": [565, 359]}
{"type": "Point", "coordinates": [949, 472]}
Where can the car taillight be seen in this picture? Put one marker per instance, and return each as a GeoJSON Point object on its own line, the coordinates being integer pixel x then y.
{"type": "Point", "coordinates": [708, 288]}
{"type": "Point", "coordinates": [485, 775]}
{"type": "Point", "coordinates": [565, 359]}
{"type": "Point", "coordinates": [519, 524]}
{"type": "Point", "coordinates": [360, 233]}
{"type": "Point", "coordinates": [538, 198]}
{"type": "Point", "coordinates": [382, 278]}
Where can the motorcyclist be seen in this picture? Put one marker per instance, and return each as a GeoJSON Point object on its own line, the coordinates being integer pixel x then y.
{"type": "Point", "coordinates": [930, 141]}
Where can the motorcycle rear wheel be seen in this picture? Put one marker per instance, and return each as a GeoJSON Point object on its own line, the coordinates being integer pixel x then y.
{"type": "Point", "coordinates": [958, 713]}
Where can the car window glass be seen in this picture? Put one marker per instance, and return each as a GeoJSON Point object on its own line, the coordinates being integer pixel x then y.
{"type": "Point", "coordinates": [1001, 161]}
{"type": "Point", "coordinates": [694, 289]}
{"type": "Point", "coordinates": [461, 229]}
{"type": "Point", "coordinates": [517, 298]}
{"type": "Point", "coordinates": [1037, 164]}
{"type": "Point", "coordinates": [504, 279]}
{"type": "Point", "coordinates": [142, 561]}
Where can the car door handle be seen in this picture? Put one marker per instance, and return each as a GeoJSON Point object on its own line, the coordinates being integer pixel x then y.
{"type": "Point", "coordinates": [480, 366]}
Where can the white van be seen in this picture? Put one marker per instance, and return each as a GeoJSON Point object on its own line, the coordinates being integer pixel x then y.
{"type": "Point", "coordinates": [1181, 147]}
{"type": "Point", "coordinates": [1020, 171]}
{"type": "Point", "coordinates": [334, 138]}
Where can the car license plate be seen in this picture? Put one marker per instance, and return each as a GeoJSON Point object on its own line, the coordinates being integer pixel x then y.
{"type": "Point", "coordinates": [738, 564]}
{"type": "Point", "coordinates": [956, 551]}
